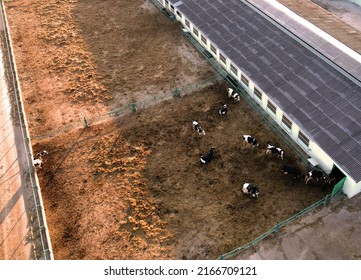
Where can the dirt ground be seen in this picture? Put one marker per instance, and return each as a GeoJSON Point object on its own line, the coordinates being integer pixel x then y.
{"type": "Point", "coordinates": [132, 187]}
{"type": "Point", "coordinates": [84, 58]}
{"type": "Point", "coordinates": [347, 11]}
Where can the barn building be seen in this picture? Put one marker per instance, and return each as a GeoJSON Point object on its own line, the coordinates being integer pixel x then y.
{"type": "Point", "coordinates": [307, 81]}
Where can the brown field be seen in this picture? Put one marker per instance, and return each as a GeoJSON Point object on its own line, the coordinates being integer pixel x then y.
{"type": "Point", "coordinates": [131, 187]}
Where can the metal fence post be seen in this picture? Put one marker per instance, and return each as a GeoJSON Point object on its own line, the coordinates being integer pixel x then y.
{"type": "Point", "coordinates": [86, 123]}
{"type": "Point", "coordinates": [326, 200]}
{"type": "Point", "coordinates": [277, 229]}
{"type": "Point", "coordinates": [176, 92]}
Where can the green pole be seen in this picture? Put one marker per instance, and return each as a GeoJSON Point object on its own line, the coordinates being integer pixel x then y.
{"type": "Point", "coordinates": [86, 123]}
{"type": "Point", "coordinates": [326, 200]}
{"type": "Point", "coordinates": [277, 229]}
{"type": "Point", "coordinates": [176, 92]}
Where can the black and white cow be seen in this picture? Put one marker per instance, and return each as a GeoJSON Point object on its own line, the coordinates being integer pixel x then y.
{"type": "Point", "coordinates": [197, 127]}
{"type": "Point", "coordinates": [313, 174]}
{"type": "Point", "coordinates": [250, 189]}
{"type": "Point", "coordinates": [38, 159]}
{"type": "Point", "coordinates": [250, 139]}
{"type": "Point", "coordinates": [335, 176]}
{"type": "Point", "coordinates": [274, 150]}
{"type": "Point", "coordinates": [223, 110]}
{"type": "Point", "coordinates": [288, 169]}
{"type": "Point", "coordinates": [233, 94]}
{"type": "Point", "coordinates": [207, 157]}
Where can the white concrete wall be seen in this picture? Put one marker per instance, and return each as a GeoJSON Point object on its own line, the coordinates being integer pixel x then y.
{"type": "Point", "coordinates": [357, 2]}
{"type": "Point", "coordinates": [326, 163]}
{"type": "Point", "coordinates": [351, 188]}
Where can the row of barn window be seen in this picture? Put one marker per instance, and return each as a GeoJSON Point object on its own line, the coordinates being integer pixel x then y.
{"type": "Point", "coordinates": [257, 94]}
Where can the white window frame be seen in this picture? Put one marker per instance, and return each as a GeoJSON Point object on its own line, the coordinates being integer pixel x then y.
{"type": "Point", "coordinates": [187, 23]}
{"type": "Point", "coordinates": [204, 39]}
{"type": "Point", "coordinates": [270, 107]}
{"type": "Point", "coordinates": [301, 137]}
{"type": "Point", "coordinates": [234, 70]}
{"type": "Point", "coordinates": [285, 125]}
{"type": "Point", "coordinates": [213, 49]}
{"type": "Point", "coordinates": [196, 32]}
{"type": "Point", "coordinates": [245, 80]}
{"type": "Point", "coordinates": [221, 58]}
{"type": "Point", "coordinates": [256, 97]}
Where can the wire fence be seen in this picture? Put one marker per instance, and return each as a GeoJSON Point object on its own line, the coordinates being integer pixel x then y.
{"type": "Point", "coordinates": [41, 241]}
{"type": "Point", "coordinates": [132, 106]}
{"type": "Point", "coordinates": [276, 229]}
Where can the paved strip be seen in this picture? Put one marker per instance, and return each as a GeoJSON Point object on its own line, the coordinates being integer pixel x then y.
{"type": "Point", "coordinates": [14, 221]}
{"type": "Point", "coordinates": [326, 21]}
{"type": "Point", "coordinates": [331, 233]}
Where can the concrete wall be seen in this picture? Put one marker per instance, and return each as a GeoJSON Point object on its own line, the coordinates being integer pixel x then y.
{"type": "Point", "coordinates": [357, 2]}
{"type": "Point", "coordinates": [23, 229]}
{"type": "Point", "coordinates": [351, 188]}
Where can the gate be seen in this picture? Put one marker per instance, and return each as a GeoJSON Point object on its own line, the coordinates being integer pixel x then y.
{"type": "Point", "coordinates": [337, 188]}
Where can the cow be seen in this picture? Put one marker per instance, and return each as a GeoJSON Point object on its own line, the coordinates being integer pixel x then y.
{"type": "Point", "coordinates": [274, 150]}
{"type": "Point", "coordinates": [335, 176]}
{"type": "Point", "coordinates": [207, 157]}
{"type": "Point", "coordinates": [251, 140]}
{"type": "Point", "coordinates": [313, 174]}
{"type": "Point", "coordinates": [251, 189]}
{"type": "Point", "coordinates": [38, 159]}
{"type": "Point", "coordinates": [233, 94]}
{"type": "Point", "coordinates": [288, 169]}
{"type": "Point", "coordinates": [223, 110]}
{"type": "Point", "coordinates": [197, 127]}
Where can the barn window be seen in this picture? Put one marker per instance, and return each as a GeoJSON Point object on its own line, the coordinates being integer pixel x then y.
{"type": "Point", "coordinates": [303, 138]}
{"type": "Point", "coordinates": [234, 70]}
{"type": "Point", "coordinates": [213, 49]}
{"type": "Point", "coordinates": [244, 80]}
{"type": "Point", "coordinates": [257, 94]}
{"type": "Point", "coordinates": [195, 31]}
{"type": "Point", "coordinates": [179, 14]}
{"type": "Point", "coordinates": [286, 123]}
{"type": "Point", "coordinates": [223, 59]}
{"type": "Point", "coordinates": [187, 23]}
{"type": "Point", "coordinates": [271, 107]}
{"type": "Point", "coordinates": [166, 2]}
{"type": "Point", "coordinates": [172, 8]}
{"type": "Point", "coordinates": [204, 40]}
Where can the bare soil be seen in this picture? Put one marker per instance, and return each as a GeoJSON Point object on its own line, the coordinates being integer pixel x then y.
{"type": "Point", "coordinates": [347, 11]}
{"type": "Point", "coordinates": [131, 187]}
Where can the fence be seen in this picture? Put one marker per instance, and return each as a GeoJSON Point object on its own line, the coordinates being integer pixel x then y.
{"type": "Point", "coordinates": [278, 226]}
{"type": "Point", "coordinates": [42, 249]}
{"type": "Point", "coordinates": [133, 106]}
{"type": "Point", "coordinates": [170, 16]}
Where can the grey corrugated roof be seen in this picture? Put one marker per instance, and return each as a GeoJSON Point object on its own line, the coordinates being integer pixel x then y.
{"type": "Point", "coordinates": [321, 100]}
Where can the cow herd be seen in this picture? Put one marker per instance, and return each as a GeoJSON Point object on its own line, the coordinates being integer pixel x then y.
{"type": "Point", "coordinates": [249, 188]}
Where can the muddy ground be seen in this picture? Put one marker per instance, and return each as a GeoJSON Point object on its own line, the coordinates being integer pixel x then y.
{"type": "Point", "coordinates": [131, 187]}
